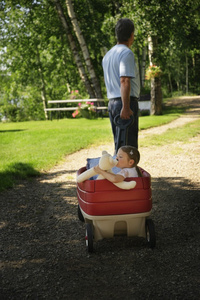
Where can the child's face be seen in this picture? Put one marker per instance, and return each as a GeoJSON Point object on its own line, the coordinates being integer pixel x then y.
{"type": "Point", "coordinates": [123, 160]}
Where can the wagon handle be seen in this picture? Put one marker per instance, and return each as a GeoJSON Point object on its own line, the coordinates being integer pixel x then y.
{"type": "Point", "coordinates": [123, 124]}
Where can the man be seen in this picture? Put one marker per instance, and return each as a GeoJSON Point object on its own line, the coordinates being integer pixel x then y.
{"type": "Point", "coordinates": [122, 82]}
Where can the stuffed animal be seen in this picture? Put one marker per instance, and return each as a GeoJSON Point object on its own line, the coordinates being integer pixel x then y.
{"type": "Point", "coordinates": [106, 162]}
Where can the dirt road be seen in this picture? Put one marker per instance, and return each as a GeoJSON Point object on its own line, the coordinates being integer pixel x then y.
{"type": "Point", "coordinates": [42, 246]}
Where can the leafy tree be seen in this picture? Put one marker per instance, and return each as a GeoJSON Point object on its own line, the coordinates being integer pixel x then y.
{"type": "Point", "coordinates": [84, 49]}
{"type": "Point", "coordinates": [38, 61]}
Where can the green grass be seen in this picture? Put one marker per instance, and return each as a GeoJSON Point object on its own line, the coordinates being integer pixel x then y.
{"type": "Point", "coordinates": [27, 148]}
{"type": "Point", "coordinates": [169, 115]}
{"type": "Point", "coordinates": [180, 134]}
{"type": "Point", "coordinates": [35, 146]}
{"type": "Point", "coordinates": [42, 144]}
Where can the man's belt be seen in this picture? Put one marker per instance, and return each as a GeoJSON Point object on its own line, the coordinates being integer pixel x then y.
{"type": "Point", "coordinates": [119, 98]}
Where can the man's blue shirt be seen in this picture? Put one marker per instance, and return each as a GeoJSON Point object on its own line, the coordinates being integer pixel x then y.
{"type": "Point", "coordinates": [120, 61]}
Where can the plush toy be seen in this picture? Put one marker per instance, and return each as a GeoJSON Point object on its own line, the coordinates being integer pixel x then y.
{"type": "Point", "coordinates": [106, 162]}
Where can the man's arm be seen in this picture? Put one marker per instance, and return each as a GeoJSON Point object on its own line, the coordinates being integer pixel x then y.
{"type": "Point", "coordinates": [126, 111]}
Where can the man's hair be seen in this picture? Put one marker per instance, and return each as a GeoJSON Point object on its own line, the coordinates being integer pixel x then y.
{"type": "Point", "coordinates": [123, 30]}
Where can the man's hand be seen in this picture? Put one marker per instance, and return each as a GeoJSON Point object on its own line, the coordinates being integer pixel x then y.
{"type": "Point", "coordinates": [126, 113]}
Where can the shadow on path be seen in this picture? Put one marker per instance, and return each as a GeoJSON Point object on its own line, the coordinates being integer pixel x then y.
{"type": "Point", "coordinates": [43, 255]}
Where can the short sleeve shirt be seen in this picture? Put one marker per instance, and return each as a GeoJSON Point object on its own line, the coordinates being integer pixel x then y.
{"type": "Point", "coordinates": [128, 172]}
{"type": "Point", "coordinates": [120, 61]}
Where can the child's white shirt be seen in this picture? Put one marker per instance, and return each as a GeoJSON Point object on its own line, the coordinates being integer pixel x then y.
{"type": "Point", "coordinates": [128, 172]}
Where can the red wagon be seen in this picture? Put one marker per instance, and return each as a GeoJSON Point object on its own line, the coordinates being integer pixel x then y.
{"type": "Point", "coordinates": [108, 210]}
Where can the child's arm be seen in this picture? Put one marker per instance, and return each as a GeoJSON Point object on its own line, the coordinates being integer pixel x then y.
{"type": "Point", "coordinates": [115, 178]}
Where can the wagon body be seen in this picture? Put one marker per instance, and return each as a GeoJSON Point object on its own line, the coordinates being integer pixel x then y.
{"type": "Point", "coordinates": [114, 211]}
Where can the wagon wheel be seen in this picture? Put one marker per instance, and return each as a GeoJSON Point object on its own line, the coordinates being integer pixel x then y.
{"type": "Point", "coordinates": [150, 233]}
{"type": "Point", "coordinates": [80, 215]}
{"type": "Point", "coordinates": [89, 237]}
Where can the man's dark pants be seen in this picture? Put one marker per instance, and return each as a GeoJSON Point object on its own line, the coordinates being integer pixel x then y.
{"type": "Point", "coordinates": [114, 109]}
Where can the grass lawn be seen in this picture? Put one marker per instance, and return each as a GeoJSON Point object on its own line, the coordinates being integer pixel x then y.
{"type": "Point", "coordinates": [181, 134]}
{"type": "Point", "coordinates": [43, 143]}
{"type": "Point", "coordinates": [28, 148]}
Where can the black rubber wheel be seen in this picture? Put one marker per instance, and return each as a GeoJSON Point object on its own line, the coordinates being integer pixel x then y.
{"type": "Point", "coordinates": [89, 237]}
{"type": "Point", "coordinates": [80, 215]}
{"type": "Point", "coordinates": [150, 233]}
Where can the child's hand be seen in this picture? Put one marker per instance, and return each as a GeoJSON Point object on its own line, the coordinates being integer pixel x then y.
{"type": "Point", "coordinates": [97, 169]}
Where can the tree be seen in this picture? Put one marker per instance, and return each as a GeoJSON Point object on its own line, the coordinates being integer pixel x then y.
{"type": "Point", "coordinates": [22, 55]}
{"type": "Point", "coordinates": [75, 52]}
{"type": "Point", "coordinates": [170, 23]}
{"type": "Point", "coordinates": [84, 49]}
{"type": "Point", "coordinates": [37, 60]}
{"type": "Point", "coordinates": [33, 49]}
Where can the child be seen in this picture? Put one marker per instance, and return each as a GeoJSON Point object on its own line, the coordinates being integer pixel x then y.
{"type": "Point", "coordinates": [128, 158]}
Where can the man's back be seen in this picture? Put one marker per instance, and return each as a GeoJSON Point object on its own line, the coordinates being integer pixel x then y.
{"type": "Point", "coordinates": [119, 61]}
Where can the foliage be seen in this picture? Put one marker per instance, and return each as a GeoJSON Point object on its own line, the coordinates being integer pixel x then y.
{"type": "Point", "coordinates": [176, 24]}
{"type": "Point", "coordinates": [75, 95]}
{"type": "Point", "coordinates": [36, 58]}
{"type": "Point", "coordinates": [152, 72]}
{"type": "Point", "coordinates": [86, 110]}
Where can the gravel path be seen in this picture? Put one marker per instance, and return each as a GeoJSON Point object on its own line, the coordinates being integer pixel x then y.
{"type": "Point", "coordinates": [42, 247]}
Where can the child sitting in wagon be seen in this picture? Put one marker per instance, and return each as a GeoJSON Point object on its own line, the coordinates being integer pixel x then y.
{"type": "Point", "coordinates": [128, 157]}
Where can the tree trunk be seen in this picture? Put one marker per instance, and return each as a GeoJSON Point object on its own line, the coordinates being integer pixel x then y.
{"type": "Point", "coordinates": [151, 50]}
{"type": "Point", "coordinates": [143, 65]}
{"type": "Point", "coordinates": [43, 89]}
{"type": "Point", "coordinates": [72, 43]}
{"type": "Point", "coordinates": [186, 72]}
{"type": "Point", "coordinates": [156, 92]}
{"type": "Point", "coordinates": [139, 65]}
{"type": "Point", "coordinates": [156, 96]}
{"type": "Point", "coordinates": [170, 83]}
{"type": "Point", "coordinates": [84, 49]}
